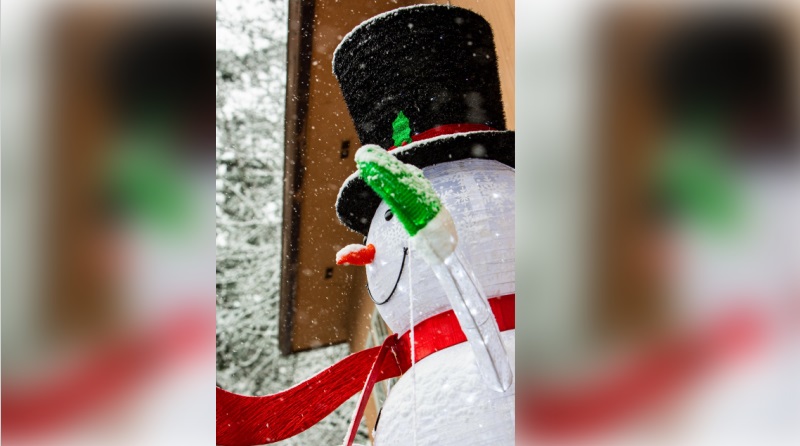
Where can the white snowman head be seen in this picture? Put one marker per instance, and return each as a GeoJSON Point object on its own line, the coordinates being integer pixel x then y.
{"type": "Point", "coordinates": [479, 195]}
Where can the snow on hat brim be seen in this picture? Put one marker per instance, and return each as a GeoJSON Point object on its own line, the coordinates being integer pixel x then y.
{"type": "Point", "coordinates": [357, 202]}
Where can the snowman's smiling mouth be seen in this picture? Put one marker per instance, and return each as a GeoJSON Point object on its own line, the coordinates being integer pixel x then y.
{"type": "Point", "coordinates": [394, 288]}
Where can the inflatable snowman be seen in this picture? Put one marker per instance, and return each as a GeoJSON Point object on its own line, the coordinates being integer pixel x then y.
{"type": "Point", "coordinates": [422, 81]}
{"type": "Point", "coordinates": [434, 198]}
{"type": "Point", "coordinates": [444, 398]}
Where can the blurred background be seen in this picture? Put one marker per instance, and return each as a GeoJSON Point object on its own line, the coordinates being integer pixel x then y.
{"type": "Point", "coordinates": [107, 315]}
{"type": "Point", "coordinates": [658, 148]}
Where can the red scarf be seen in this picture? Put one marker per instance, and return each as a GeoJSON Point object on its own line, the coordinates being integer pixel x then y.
{"type": "Point", "coordinates": [250, 420]}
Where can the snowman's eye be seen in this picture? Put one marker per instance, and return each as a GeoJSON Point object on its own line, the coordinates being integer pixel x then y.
{"type": "Point", "coordinates": [388, 215]}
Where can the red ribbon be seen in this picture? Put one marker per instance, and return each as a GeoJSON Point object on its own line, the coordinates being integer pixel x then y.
{"type": "Point", "coordinates": [443, 330]}
{"type": "Point", "coordinates": [447, 129]}
{"type": "Point", "coordinates": [250, 420]}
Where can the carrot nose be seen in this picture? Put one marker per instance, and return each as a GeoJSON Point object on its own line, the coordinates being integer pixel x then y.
{"type": "Point", "coordinates": [355, 254]}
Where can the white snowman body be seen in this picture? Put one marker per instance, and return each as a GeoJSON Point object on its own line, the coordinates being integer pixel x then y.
{"type": "Point", "coordinates": [443, 399]}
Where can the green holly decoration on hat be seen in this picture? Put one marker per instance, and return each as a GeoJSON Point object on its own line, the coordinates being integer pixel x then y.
{"type": "Point", "coordinates": [401, 130]}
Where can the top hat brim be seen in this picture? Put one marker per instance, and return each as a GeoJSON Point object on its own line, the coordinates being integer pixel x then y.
{"type": "Point", "coordinates": [357, 202]}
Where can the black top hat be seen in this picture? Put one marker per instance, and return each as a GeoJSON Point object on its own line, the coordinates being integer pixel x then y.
{"type": "Point", "coordinates": [435, 64]}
